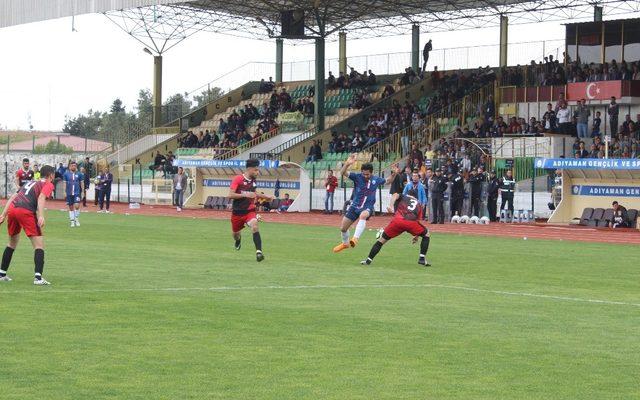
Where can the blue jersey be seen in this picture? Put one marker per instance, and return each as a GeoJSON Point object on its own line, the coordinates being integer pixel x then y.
{"type": "Point", "coordinates": [364, 191]}
{"type": "Point", "coordinates": [73, 180]}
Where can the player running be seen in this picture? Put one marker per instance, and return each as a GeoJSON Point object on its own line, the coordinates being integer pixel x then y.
{"type": "Point", "coordinates": [24, 174]}
{"type": "Point", "coordinates": [25, 210]}
{"type": "Point", "coordinates": [74, 186]}
{"type": "Point", "coordinates": [406, 219]}
{"type": "Point", "coordinates": [363, 200]}
{"type": "Point", "coordinates": [243, 193]}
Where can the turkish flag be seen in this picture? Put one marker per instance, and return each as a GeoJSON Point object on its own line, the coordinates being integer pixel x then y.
{"type": "Point", "coordinates": [594, 90]}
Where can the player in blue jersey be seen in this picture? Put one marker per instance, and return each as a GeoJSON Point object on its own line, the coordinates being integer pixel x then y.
{"type": "Point", "coordinates": [365, 186]}
{"type": "Point", "coordinates": [74, 186]}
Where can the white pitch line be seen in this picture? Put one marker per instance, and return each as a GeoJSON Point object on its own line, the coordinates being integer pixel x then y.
{"type": "Point", "coordinates": [353, 286]}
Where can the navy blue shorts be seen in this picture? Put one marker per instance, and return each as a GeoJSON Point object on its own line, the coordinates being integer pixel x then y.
{"type": "Point", "coordinates": [353, 213]}
{"type": "Point", "coordinates": [73, 199]}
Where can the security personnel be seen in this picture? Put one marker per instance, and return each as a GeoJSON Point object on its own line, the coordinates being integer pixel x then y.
{"type": "Point", "coordinates": [476, 180]}
{"type": "Point", "coordinates": [492, 196]}
{"type": "Point", "coordinates": [439, 186]}
{"type": "Point", "coordinates": [457, 193]}
{"type": "Point", "coordinates": [507, 188]}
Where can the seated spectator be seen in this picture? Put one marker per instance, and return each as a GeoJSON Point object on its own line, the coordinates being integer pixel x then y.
{"type": "Point", "coordinates": [315, 152]}
{"type": "Point", "coordinates": [285, 203]}
{"type": "Point", "coordinates": [620, 216]}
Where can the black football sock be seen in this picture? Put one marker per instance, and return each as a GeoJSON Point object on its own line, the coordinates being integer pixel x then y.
{"type": "Point", "coordinates": [257, 240]}
{"type": "Point", "coordinates": [238, 241]}
{"type": "Point", "coordinates": [375, 249]}
{"type": "Point", "coordinates": [424, 246]}
{"type": "Point", "coordinates": [38, 258]}
{"type": "Point", "coordinates": [6, 260]}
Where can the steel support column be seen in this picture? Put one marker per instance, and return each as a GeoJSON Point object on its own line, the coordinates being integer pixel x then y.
{"type": "Point", "coordinates": [279, 58]}
{"type": "Point", "coordinates": [504, 40]}
{"type": "Point", "coordinates": [342, 52]}
{"type": "Point", "coordinates": [157, 91]}
{"type": "Point", "coordinates": [319, 86]}
{"type": "Point", "coordinates": [415, 47]}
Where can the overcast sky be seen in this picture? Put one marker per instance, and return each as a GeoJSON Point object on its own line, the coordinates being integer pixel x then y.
{"type": "Point", "coordinates": [47, 71]}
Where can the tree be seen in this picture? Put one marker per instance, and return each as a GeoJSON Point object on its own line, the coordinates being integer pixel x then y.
{"type": "Point", "coordinates": [84, 125]}
{"type": "Point", "coordinates": [116, 107]}
{"type": "Point", "coordinates": [53, 147]}
{"type": "Point", "coordinates": [176, 106]}
{"type": "Point", "coordinates": [207, 96]}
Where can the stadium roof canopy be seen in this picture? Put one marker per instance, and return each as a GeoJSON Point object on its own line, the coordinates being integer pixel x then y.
{"type": "Point", "coordinates": [160, 24]}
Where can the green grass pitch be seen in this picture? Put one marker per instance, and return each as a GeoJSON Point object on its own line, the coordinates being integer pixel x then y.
{"type": "Point", "coordinates": [164, 308]}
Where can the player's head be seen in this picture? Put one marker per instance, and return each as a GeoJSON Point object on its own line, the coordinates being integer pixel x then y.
{"type": "Point", "coordinates": [105, 169]}
{"type": "Point", "coordinates": [615, 205]}
{"type": "Point", "coordinates": [509, 173]}
{"type": "Point", "coordinates": [47, 172]}
{"type": "Point", "coordinates": [180, 170]}
{"type": "Point", "coordinates": [330, 172]}
{"type": "Point", "coordinates": [25, 163]}
{"type": "Point", "coordinates": [252, 168]}
{"type": "Point", "coordinates": [73, 166]}
{"type": "Point", "coordinates": [366, 170]}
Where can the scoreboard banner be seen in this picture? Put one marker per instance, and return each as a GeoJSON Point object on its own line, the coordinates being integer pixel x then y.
{"type": "Point", "coordinates": [588, 163]}
{"type": "Point", "coordinates": [606, 191]}
{"type": "Point", "coordinates": [223, 163]}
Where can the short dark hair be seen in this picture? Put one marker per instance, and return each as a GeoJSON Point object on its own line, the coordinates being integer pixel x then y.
{"type": "Point", "coordinates": [46, 171]}
{"type": "Point", "coordinates": [73, 162]}
{"type": "Point", "coordinates": [252, 163]}
{"type": "Point", "coordinates": [25, 160]}
{"type": "Point", "coordinates": [367, 167]}
{"type": "Point", "coordinates": [615, 203]}
{"type": "Point", "coordinates": [330, 170]}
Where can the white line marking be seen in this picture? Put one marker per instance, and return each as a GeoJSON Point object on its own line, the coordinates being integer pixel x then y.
{"type": "Point", "coordinates": [354, 286]}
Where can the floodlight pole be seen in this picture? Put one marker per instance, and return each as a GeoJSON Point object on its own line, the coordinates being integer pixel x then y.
{"type": "Point", "coordinates": [342, 52]}
{"type": "Point", "coordinates": [279, 58]}
{"type": "Point", "coordinates": [319, 85]}
{"type": "Point", "coordinates": [157, 91]}
{"type": "Point", "coordinates": [504, 40]}
{"type": "Point", "coordinates": [415, 47]}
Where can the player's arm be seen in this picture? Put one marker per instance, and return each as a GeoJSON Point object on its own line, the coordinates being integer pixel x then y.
{"type": "Point", "coordinates": [41, 201]}
{"type": "Point", "coordinates": [3, 216]}
{"type": "Point", "coordinates": [394, 198]}
{"type": "Point", "coordinates": [394, 172]}
{"type": "Point", "coordinates": [263, 196]}
{"type": "Point", "coordinates": [345, 166]}
{"type": "Point", "coordinates": [18, 179]}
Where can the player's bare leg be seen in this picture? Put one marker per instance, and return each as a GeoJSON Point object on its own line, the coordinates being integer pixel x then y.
{"type": "Point", "coordinates": [344, 230]}
{"type": "Point", "coordinates": [257, 240]}
{"type": "Point", "coordinates": [360, 227]}
{"type": "Point", "coordinates": [38, 258]}
{"type": "Point", "coordinates": [6, 257]}
{"type": "Point", "coordinates": [375, 249]}
{"type": "Point", "coordinates": [238, 238]}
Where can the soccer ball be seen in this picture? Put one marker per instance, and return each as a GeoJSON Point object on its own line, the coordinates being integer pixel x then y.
{"type": "Point", "coordinates": [474, 220]}
{"type": "Point", "coordinates": [379, 233]}
{"type": "Point", "coordinates": [464, 219]}
{"type": "Point", "coordinates": [455, 219]}
{"type": "Point", "coordinates": [484, 220]}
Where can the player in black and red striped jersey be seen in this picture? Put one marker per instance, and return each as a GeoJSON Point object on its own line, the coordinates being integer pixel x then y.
{"type": "Point", "coordinates": [406, 218]}
{"type": "Point", "coordinates": [243, 212]}
{"type": "Point", "coordinates": [25, 210]}
{"type": "Point", "coordinates": [24, 174]}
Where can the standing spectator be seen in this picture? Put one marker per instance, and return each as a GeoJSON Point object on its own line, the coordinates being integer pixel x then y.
{"type": "Point", "coordinates": [179, 186]}
{"type": "Point", "coordinates": [550, 119]}
{"type": "Point", "coordinates": [87, 183]}
{"type": "Point", "coordinates": [476, 180]}
{"type": "Point", "coordinates": [104, 189]}
{"type": "Point", "coordinates": [507, 189]}
{"type": "Point", "coordinates": [416, 189]}
{"type": "Point", "coordinates": [331, 183]}
{"type": "Point", "coordinates": [400, 180]}
{"type": "Point", "coordinates": [582, 114]}
{"type": "Point", "coordinates": [613, 110]}
{"type": "Point", "coordinates": [564, 119]}
{"type": "Point", "coordinates": [595, 127]}
{"type": "Point", "coordinates": [439, 186]}
{"type": "Point", "coordinates": [457, 193]}
{"type": "Point", "coordinates": [88, 166]}
{"type": "Point", "coordinates": [425, 54]}
{"type": "Point", "coordinates": [492, 196]}
{"type": "Point", "coordinates": [24, 174]}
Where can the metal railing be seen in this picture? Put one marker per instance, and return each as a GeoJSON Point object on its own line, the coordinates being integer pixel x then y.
{"type": "Point", "coordinates": [292, 142]}
{"type": "Point", "coordinates": [246, 146]}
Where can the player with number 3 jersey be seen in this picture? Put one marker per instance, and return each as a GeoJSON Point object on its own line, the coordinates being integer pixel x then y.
{"type": "Point", "coordinates": [406, 218]}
